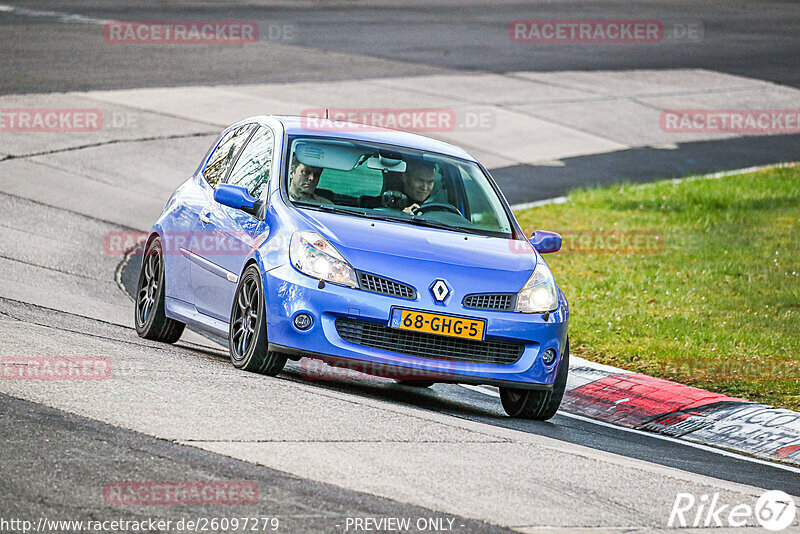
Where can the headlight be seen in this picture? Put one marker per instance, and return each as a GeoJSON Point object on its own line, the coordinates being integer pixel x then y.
{"type": "Point", "coordinates": [539, 293]}
{"type": "Point", "coordinates": [311, 254]}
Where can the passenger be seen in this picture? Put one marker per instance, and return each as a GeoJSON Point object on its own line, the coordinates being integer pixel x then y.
{"type": "Point", "coordinates": [303, 180]}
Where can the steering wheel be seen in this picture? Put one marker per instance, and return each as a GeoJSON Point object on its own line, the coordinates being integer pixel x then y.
{"type": "Point", "coordinates": [423, 208]}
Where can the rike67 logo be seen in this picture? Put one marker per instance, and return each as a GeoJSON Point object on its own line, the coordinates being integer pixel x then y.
{"type": "Point", "coordinates": [774, 510]}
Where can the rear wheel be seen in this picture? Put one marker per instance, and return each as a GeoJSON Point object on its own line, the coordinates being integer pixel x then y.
{"type": "Point", "coordinates": [534, 404]}
{"type": "Point", "coordinates": [150, 318]}
{"type": "Point", "coordinates": [247, 340]}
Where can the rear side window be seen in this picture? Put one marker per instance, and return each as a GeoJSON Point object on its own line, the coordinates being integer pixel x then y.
{"type": "Point", "coordinates": [223, 155]}
{"type": "Point", "coordinates": [253, 166]}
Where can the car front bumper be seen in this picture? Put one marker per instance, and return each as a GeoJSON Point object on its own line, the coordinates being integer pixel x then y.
{"type": "Point", "coordinates": [289, 293]}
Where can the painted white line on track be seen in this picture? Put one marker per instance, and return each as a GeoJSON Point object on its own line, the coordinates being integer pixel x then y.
{"type": "Point", "coordinates": [537, 203]}
{"type": "Point", "coordinates": [707, 448]}
{"type": "Point", "coordinates": [577, 361]}
{"type": "Point", "coordinates": [69, 18]}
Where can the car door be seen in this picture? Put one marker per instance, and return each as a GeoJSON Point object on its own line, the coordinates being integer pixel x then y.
{"type": "Point", "coordinates": [183, 224]}
{"type": "Point", "coordinates": [189, 234]}
{"type": "Point", "coordinates": [235, 232]}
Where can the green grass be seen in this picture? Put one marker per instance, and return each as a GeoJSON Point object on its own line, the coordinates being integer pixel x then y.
{"type": "Point", "coordinates": [718, 307]}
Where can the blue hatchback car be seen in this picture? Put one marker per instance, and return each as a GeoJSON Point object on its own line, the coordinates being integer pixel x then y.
{"type": "Point", "coordinates": [384, 251]}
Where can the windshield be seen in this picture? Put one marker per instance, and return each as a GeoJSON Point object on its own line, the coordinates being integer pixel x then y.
{"type": "Point", "coordinates": [392, 183]}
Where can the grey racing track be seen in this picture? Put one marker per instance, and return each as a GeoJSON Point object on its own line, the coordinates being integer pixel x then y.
{"type": "Point", "coordinates": [320, 451]}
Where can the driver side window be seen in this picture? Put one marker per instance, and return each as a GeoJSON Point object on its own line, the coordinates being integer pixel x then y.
{"type": "Point", "coordinates": [252, 169]}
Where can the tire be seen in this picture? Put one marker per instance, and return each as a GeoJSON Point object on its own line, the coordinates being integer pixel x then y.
{"type": "Point", "coordinates": [149, 316]}
{"type": "Point", "coordinates": [534, 404]}
{"type": "Point", "coordinates": [247, 335]}
{"type": "Point", "coordinates": [416, 383]}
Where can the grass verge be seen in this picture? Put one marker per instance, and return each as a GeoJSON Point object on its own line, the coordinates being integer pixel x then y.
{"type": "Point", "coordinates": [696, 281]}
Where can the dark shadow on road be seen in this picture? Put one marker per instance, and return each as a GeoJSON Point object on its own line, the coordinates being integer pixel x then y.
{"type": "Point", "coordinates": [525, 183]}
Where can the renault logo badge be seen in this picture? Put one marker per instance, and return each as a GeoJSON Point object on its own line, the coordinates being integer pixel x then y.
{"type": "Point", "coordinates": [439, 290]}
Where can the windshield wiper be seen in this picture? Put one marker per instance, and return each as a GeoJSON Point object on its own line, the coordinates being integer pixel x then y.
{"type": "Point", "coordinates": [332, 208]}
{"type": "Point", "coordinates": [437, 224]}
{"type": "Point", "coordinates": [432, 224]}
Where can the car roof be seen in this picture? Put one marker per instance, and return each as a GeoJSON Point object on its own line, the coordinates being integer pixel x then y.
{"type": "Point", "coordinates": [295, 125]}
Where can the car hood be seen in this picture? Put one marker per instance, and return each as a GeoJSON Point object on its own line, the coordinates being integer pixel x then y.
{"type": "Point", "coordinates": [403, 251]}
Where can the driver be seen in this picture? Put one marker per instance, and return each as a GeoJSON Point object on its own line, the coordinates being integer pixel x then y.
{"type": "Point", "coordinates": [418, 181]}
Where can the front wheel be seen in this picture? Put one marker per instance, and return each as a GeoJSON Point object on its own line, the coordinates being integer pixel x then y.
{"type": "Point", "coordinates": [534, 404]}
{"type": "Point", "coordinates": [247, 339]}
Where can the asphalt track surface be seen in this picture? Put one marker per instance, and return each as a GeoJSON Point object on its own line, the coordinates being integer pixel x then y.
{"type": "Point", "coordinates": [476, 406]}
{"type": "Point", "coordinates": [325, 41]}
{"type": "Point", "coordinates": [351, 40]}
{"type": "Point", "coordinates": [54, 461]}
{"type": "Point", "coordinates": [71, 483]}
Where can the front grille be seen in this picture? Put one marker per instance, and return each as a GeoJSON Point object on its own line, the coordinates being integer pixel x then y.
{"type": "Point", "coordinates": [384, 286]}
{"type": "Point", "coordinates": [431, 346]}
{"type": "Point", "coordinates": [490, 301]}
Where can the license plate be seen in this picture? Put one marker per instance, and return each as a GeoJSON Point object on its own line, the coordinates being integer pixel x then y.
{"type": "Point", "coordinates": [433, 323]}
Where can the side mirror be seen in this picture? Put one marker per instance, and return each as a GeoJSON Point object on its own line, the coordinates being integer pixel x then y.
{"type": "Point", "coordinates": [545, 242]}
{"type": "Point", "coordinates": [237, 197]}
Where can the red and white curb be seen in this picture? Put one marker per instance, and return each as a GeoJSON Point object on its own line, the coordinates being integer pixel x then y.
{"type": "Point", "coordinates": [652, 404]}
